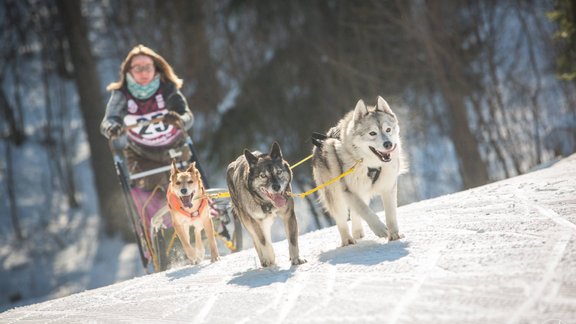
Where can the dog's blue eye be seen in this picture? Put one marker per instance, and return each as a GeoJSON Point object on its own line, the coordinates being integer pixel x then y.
{"type": "Point", "coordinates": [372, 133]}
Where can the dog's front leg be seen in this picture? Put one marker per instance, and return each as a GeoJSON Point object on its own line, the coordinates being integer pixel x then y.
{"type": "Point", "coordinates": [291, 228]}
{"type": "Point", "coordinates": [356, 220]}
{"type": "Point", "coordinates": [199, 246]}
{"type": "Point", "coordinates": [260, 232]}
{"type": "Point", "coordinates": [209, 228]}
{"type": "Point", "coordinates": [357, 228]}
{"type": "Point", "coordinates": [363, 210]}
{"type": "Point", "coordinates": [183, 233]}
{"type": "Point", "coordinates": [268, 256]}
{"type": "Point", "coordinates": [337, 208]}
{"type": "Point", "coordinates": [390, 202]}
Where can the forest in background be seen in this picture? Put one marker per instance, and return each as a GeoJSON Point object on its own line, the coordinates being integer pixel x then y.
{"type": "Point", "coordinates": [484, 89]}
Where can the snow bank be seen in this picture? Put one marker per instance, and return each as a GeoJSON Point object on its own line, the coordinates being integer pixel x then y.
{"type": "Point", "coordinates": [502, 253]}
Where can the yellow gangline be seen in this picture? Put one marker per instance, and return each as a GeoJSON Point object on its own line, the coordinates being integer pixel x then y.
{"type": "Point", "coordinates": [300, 195]}
{"type": "Point", "coordinates": [304, 194]}
{"type": "Point", "coordinates": [302, 161]}
{"type": "Point", "coordinates": [225, 194]}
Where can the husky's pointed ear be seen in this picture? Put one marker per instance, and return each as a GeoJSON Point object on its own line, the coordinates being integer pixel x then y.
{"type": "Point", "coordinates": [276, 152]}
{"type": "Point", "coordinates": [251, 158]}
{"type": "Point", "coordinates": [191, 167]}
{"type": "Point", "coordinates": [361, 110]}
{"type": "Point", "coordinates": [384, 107]}
{"type": "Point", "coordinates": [194, 169]}
{"type": "Point", "coordinates": [174, 168]}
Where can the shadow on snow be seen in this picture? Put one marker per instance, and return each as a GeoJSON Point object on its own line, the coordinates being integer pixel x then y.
{"type": "Point", "coordinates": [366, 253]}
{"type": "Point", "coordinates": [262, 277]}
{"type": "Point", "coordinates": [183, 272]}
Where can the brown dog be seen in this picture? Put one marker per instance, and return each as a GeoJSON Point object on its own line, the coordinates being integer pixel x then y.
{"type": "Point", "coordinates": [189, 208]}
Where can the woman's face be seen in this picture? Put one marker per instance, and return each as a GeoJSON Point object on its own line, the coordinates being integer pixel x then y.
{"type": "Point", "coordinates": [142, 69]}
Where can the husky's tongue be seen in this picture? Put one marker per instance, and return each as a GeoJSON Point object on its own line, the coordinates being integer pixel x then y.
{"type": "Point", "coordinates": [384, 156]}
{"type": "Point", "coordinates": [278, 198]}
{"type": "Point", "coordinates": [186, 201]}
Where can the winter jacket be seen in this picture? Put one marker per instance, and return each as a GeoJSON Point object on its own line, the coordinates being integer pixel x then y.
{"type": "Point", "coordinates": [117, 107]}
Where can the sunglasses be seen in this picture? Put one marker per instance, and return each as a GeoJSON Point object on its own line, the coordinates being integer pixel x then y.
{"type": "Point", "coordinates": [142, 68]}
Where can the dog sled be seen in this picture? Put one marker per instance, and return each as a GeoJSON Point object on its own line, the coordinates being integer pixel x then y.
{"type": "Point", "coordinates": [150, 217]}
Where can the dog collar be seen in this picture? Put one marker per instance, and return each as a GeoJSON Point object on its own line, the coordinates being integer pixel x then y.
{"type": "Point", "coordinates": [176, 204]}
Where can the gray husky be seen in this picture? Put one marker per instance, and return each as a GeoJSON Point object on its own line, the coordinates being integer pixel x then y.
{"type": "Point", "coordinates": [370, 134]}
{"type": "Point", "coordinates": [259, 187]}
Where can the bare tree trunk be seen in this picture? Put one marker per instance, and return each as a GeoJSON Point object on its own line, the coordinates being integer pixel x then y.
{"type": "Point", "coordinates": [200, 61]}
{"type": "Point", "coordinates": [68, 164]}
{"type": "Point", "coordinates": [472, 168]}
{"type": "Point", "coordinates": [54, 174]}
{"type": "Point", "coordinates": [18, 109]}
{"type": "Point", "coordinates": [496, 105]}
{"type": "Point", "coordinates": [498, 149]}
{"type": "Point", "coordinates": [15, 135]}
{"type": "Point", "coordinates": [534, 96]}
{"type": "Point", "coordinates": [441, 51]}
{"type": "Point", "coordinates": [11, 194]}
{"type": "Point", "coordinates": [66, 148]}
{"type": "Point", "coordinates": [88, 84]}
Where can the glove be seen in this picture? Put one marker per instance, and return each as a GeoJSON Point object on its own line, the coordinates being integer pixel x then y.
{"type": "Point", "coordinates": [114, 130]}
{"type": "Point", "coordinates": [173, 118]}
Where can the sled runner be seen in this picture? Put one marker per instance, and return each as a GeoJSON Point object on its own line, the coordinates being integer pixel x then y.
{"type": "Point", "coordinates": [151, 220]}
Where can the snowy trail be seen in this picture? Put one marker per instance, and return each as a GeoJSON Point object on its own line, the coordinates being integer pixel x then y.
{"type": "Point", "coordinates": [502, 253]}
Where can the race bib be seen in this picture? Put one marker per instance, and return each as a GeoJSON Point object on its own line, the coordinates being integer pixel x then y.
{"type": "Point", "coordinates": [151, 134]}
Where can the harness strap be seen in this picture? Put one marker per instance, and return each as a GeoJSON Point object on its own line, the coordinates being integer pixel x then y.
{"type": "Point", "coordinates": [300, 195]}
{"type": "Point", "coordinates": [175, 203]}
{"type": "Point", "coordinates": [329, 182]}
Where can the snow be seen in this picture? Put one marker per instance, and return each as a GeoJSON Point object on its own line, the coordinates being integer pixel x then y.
{"type": "Point", "coordinates": [65, 250]}
{"type": "Point", "coordinates": [501, 253]}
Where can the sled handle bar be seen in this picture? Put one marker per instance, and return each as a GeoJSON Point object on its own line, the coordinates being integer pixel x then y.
{"type": "Point", "coordinates": [156, 171]}
{"type": "Point", "coordinates": [167, 168]}
{"type": "Point", "coordinates": [212, 191]}
{"type": "Point", "coordinates": [182, 164]}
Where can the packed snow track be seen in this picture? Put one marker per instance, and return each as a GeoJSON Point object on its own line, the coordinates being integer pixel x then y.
{"type": "Point", "coordinates": [502, 253]}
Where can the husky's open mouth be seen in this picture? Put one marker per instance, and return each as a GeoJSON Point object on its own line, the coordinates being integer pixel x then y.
{"type": "Point", "coordinates": [279, 199]}
{"type": "Point", "coordinates": [384, 156]}
{"type": "Point", "coordinates": [187, 200]}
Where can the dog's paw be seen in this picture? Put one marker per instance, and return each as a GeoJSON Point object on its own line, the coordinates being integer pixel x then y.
{"type": "Point", "coordinates": [215, 258]}
{"type": "Point", "coordinates": [348, 241]}
{"type": "Point", "coordinates": [358, 234]}
{"type": "Point", "coordinates": [381, 231]}
{"type": "Point", "coordinates": [267, 263]}
{"type": "Point", "coordinates": [395, 236]}
{"type": "Point", "coordinates": [200, 254]}
{"type": "Point", "coordinates": [298, 260]}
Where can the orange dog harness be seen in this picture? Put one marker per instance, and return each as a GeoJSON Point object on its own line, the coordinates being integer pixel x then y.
{"type": "Point", "coordinates": [175, 204]}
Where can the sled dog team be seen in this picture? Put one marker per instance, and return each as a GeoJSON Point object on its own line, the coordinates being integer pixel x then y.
{"type": "Point", "coordinates": [259, 186]}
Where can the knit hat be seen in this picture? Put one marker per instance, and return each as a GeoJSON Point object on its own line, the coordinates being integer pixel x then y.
{"type": "Point", "coordinates": [142, 91]}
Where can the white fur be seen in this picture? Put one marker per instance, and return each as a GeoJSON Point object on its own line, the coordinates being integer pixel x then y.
{"type": "Point", "coordinates": [348, 143]}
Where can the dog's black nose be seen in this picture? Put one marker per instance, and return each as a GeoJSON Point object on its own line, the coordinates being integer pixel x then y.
{"type": "Point", "coordinates": [183, 191]}
{"type": "Point", "coordinates": [276, 187]}
{"type": "Point", "coordinates": [387, 145]}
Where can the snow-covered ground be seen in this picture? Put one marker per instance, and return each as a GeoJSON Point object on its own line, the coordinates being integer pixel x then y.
{"type": "Point", "coordinates": [502, 253]}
